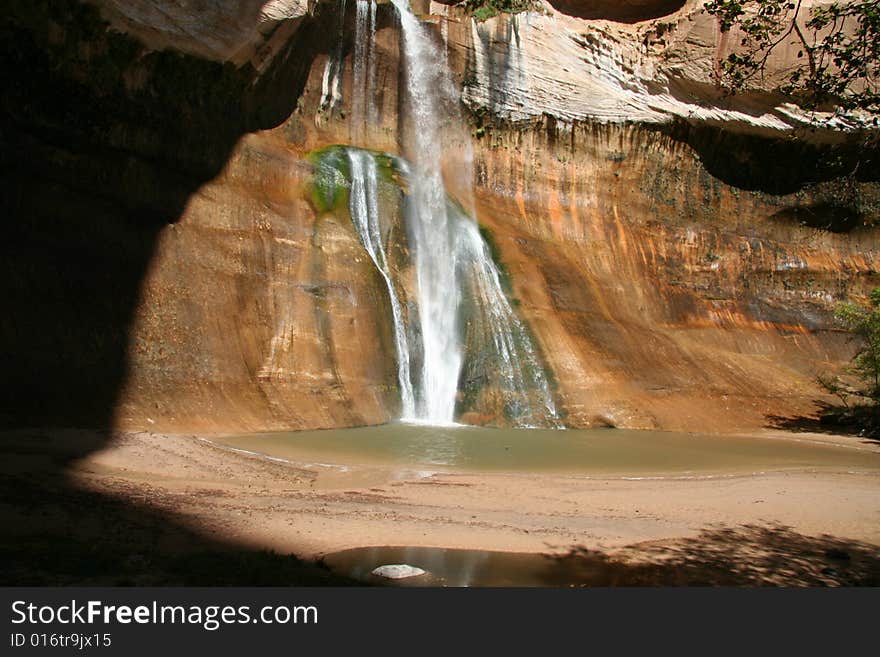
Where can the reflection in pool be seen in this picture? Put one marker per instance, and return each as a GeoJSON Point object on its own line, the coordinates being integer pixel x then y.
{"type": "Point", "coordinates": [447, 567]}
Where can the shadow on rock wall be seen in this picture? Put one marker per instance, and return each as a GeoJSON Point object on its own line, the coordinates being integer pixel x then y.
{"type": "Point", "coordinates": [627, 11]}
{"type": "Point", "coordinates": [856, 419]}
{"type": "Point", "coordinates": [777, 166]}
{"type": "Point", "coordinates": [103, 143]}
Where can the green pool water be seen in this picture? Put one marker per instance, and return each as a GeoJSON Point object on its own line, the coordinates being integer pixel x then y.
{"type": "Point", "coordinates": [598, 452]}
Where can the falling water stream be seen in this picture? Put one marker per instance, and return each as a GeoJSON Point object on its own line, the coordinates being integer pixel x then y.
{"type": "Point", "coordinates": [432, 234]}
{"type": "Point", "coordinates": [364, 207]}
{"type": "Point", "coordinates": [510, 366]}
{"type": "Point", "coordinates": [458, 343]}
{"type": "Point", "coordinates": [331, 87]}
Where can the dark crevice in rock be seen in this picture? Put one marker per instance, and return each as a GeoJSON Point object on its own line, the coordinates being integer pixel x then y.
{"type": "Point", "coordinates": [776, 165]}
{"type": "Point", "coordinates": [629, 11]}
{"type": "Point", "coordinates": [830, 216]}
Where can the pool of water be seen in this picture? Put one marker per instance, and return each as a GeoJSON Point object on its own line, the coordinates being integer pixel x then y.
{"type": "Point", "coordinates": [461, 568]}
{"type": "Point", "coordinates": [599, 452]}
{"type": "Point", "coordinates": [714, 558]}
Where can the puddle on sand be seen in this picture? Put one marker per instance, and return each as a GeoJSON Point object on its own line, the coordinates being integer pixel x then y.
{"type": "Point", "coordinates": [465, 568]}
{"type": "Point", "coordinates": [446, 567]}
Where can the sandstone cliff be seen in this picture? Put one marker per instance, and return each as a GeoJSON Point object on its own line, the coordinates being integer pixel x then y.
{"type": "Point", "coordinates": [675, 251]}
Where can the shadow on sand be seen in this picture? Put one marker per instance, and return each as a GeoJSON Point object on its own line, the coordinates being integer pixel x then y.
{"type": "Point", "coordinates": [743, 556]}
{"type": "Point", "coordinates": [855, 420]}
{"type": "Point", "coordinates": [56, 533]}
{"type": "Point", "coordinates": [748, 555]}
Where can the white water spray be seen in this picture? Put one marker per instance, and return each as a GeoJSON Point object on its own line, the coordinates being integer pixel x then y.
{"type": "Point", "coordinates": [364, 208]}
{"type": "Point", "coordinates": [460, 330]}
{"type": "Point", "coordinates": [510, 368]}
{"type": "Point", "coordinates": [432, 240]}
{"type": "Point", "coordinates": [331, 85]}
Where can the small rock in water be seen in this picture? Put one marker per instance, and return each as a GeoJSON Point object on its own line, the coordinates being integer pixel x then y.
{"type": "Point", "coordinates": [398, 571]}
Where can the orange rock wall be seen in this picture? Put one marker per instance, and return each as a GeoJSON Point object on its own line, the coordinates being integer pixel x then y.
{"type": "Point", "coordinates": [164, 266]}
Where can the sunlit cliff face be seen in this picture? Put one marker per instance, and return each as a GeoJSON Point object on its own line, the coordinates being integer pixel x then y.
{"type": "Point", "coordinates": [674, 268]}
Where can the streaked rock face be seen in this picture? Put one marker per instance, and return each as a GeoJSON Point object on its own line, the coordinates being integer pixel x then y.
{"type": "Point", "coordinates": [638, 60]}
{"type": "Point", "coordinates": [528, 65]}
{"type": "Point", "coordinates": [663, 297]}
{"type": "Point", "coordinates": [257, 312]}
{"type": "Point", "coordinates": [675, 274]}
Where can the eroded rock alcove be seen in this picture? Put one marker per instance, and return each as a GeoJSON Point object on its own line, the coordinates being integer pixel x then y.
{"type": "Point", "coordinates": [676, 270]}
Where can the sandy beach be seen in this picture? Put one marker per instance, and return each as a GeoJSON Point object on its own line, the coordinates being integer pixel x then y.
{"type": "Point", "coordinates": [311, 511]}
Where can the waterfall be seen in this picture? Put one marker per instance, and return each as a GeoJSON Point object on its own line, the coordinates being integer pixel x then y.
{"type": "Point", "coordinates": [371, 74]}
{"type": "Point", "coordinates": [459, 345]}
{"type": "Point", "coordinates": [500, 352]}
{"type": "Point", "coordinates": [500, 370]}
{"type": "Point", "coordinates": [331, 86]}
{"type": "Point", "coordinates": [364, 209]}
{"type": "Point", "coordinates": [427, 91]}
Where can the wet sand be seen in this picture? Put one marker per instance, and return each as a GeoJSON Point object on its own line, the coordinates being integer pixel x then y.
{"type": "Point", "coordinates": [320, 509]}
{"type": "Point", "coordinates": [313, 510]}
